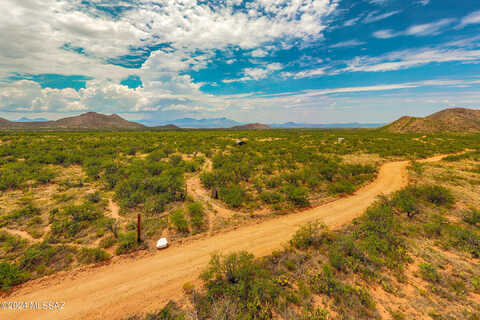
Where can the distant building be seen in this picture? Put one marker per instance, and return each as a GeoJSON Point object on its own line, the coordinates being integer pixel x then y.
{"type": "Point", "coordinates": [340, 140]}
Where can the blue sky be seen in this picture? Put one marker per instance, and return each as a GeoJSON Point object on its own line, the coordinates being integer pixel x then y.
{"type": "Point", "coordinates": [315, 61]}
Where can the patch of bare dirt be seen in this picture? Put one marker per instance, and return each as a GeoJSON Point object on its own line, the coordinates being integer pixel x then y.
{"type": "Point", "coordinates": [114, 209]}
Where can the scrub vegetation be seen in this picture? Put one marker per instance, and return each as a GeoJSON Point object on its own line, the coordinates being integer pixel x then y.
{"type": "Point", "coordinates": [68, 199]}
{"type": "Point", "coordinates": [420, 245]}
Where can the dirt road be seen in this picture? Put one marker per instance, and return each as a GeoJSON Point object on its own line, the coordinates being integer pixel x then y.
{"type": "Point", "coordinates": [120, 289]}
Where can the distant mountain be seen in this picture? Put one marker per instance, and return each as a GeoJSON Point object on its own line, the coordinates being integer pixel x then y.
{"type": "Point", "coordinates": [4, 122]}
{"type": "Point", "coordinates": [97, 121]}
{"type": "Point", "coordinates": [326, 125]}
{"type": "Point", "coordinates": [448, 120]}
{"type": "Point", "coordinates": [195, 123]}
{"type": "Point", "coordinates": [228, 123]}
{"type": "Point", "coordinates": [86, 121]}
{"type": "Point", "coordinates": [25, 119]}
{"type": "Point", "coordinates": [251, 126]}
{"type": "Point", "coordinates": [165, 127]}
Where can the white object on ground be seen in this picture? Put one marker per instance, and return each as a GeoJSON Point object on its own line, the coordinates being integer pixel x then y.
{"type": "Point", "coordinates": [162, 243]}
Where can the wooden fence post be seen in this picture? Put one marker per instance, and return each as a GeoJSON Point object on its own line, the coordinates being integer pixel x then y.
{"type": "Point", "coordinates": [139, 227]}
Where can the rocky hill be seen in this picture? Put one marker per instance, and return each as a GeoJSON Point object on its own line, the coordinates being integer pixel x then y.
{"type": "Point", "coordinates": [448, 120]}
{"type": "Point", "coordinates": [86, 121]}
{"type": "Point", "coordinates": [251, 126]}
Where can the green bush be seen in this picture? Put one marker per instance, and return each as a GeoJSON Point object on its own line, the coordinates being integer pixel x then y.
{"type": "Point", "coordinates": [43, 258]}
{"type": "Point", "coordinates": [341, 187]}
{"type": "Point", "coordinates": [156, 204]}
{"type": "Point", "coordinates": [271, 197]}
{"type": "Point", "coordinates": [74, 220]}
{"type": "Point", "coordinates": [94, 255]}
{"type": "Point", "coordinates": [352, 302]}
{"type": "Point", "coordinates": [107, 242]}
{"type": "Point", "coordinates": [234, 196]}
{"type": "Point", "coordinates": [27, 211]}
{"type": "Point", "coordinates": [379, 234]}
{"type": "Point", "coordinates": [45, 176]}
{"type": "Point", "coordinates": [178, 220]}
{"type": "Point", "coordinates": [298, 196]}
{"type": "Point", "coordinates": [10, 275]}
{"type": "Point", "coordinates": [310, 235]}
{"type": "Point", "coordinates": [197, 215]}
{"type": "Point", "coordinates": [438, 195]}
{"type": "Point", "coordinates": [239, 278]}
{"type": "Point", "coordinates": [405, 201]}
{"type": "Point", "coordinates": [472, 217]}
{"type": "Point", "coordinates": [127, 242]}
{"type": "Point", "coordinates": [93, 197]}
{"type": "Point", "coordinates": [428, 272]}
{"type": "Point", "coordinates": [170, 312]}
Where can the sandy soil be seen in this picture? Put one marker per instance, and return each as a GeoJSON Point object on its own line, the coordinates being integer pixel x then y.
{"type": "Point", "coordinates": [114, 209]}
{"type": "Point", "coordinates": [142, 284]}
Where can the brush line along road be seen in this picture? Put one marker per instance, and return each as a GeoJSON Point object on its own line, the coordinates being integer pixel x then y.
{"type": "Point", "coordinates": [130, 286]}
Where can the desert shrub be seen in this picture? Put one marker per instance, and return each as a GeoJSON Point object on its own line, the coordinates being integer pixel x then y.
{"type": "Point", "coordinates": [315, 314]}
{"type": "Point", "coordinates": [43, 258]}
{"type": "Point", "coordinates": [93, 197]}
{"type": "Point", "coordinates": [170, 312]}
{"type": "Point", "coordinates": [234, 196]}
{"type": "Point", "coordinates": [452, 235]}
{"type": "Point", "coordinates": [476, 284]}
{"type": "Point", "coordinates": [416, 167]}
{"type": "Point", "coordinates": [107, 242]}
{"type": "Point", "coordinates": [92, 255]}
{"type": "Point", "coordinates": [188, 287]}
{"type": "Point", "coordinates": [298, 196]}
{"type": "Point", "coordinates": [45, 176]}
{"type": "Point", "coordinates": [155, 204]}
{"type": "Point", "coordinates": [341, 187]}
{"type": "Point", "coordinates": [274, 182]}
{"type": "Point", "coordinates": [239, 278]}
{"type": "Point", "coordinates": [157, 155]}
{"type": "Point", "coordinates": [429, 272]}
{"type": "Point", "coordinates": [84, 212]}
{"type": "Point", "coordinates": [437, 195]}
{"type": "Point", "coordinates": [10, 275]}
{"type": "Point", "coordinates": [345, 255]}
{"type": "Point", "coordinates": [143, 180]}
{"type": "Point", "coordinates": [310, 235]}
{"type": "Point", "coordinates": [178, 220]}
{"type": "Point", "coordinates": [379, 234]}
{"type": "Point", "coordinates": [405, 201]}
{"type": "Point", "coordinates": [11, 245]}
{"type": "Point", "coordinates": [271, 197]}
{"type": "Point", "coordinates": [74, 220]}
{"type": "Point", "coordinates": [28, 209]}
{"type": "Point", "coordinates": [472, 217]}
{"type": "Point", "coordinates": [464, 239]}
{"type": "Point", "coordinates": [197, 215]}
{"type": "Point", "coordinates": [14, 175]}
{"type": "Point", "coordinates": [127, 242]}
{"type": "Point", "coordinates": [352, 302]}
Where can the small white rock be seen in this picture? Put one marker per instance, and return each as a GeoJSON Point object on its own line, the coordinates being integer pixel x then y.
{"type": "Point", "coordinates": [162, 243]}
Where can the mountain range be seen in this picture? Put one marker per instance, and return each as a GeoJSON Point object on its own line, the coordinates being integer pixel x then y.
{"type": "Point", "coordinates": [229, 123]}
{"type": "Point", "coordinates": [448, 120]}
{"type": "Point", "coordinates": [25, 119]}
{"type": "Point", "coordinates": [195, 123]}
{"type": "Point", "coordinates": [86, 121]}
